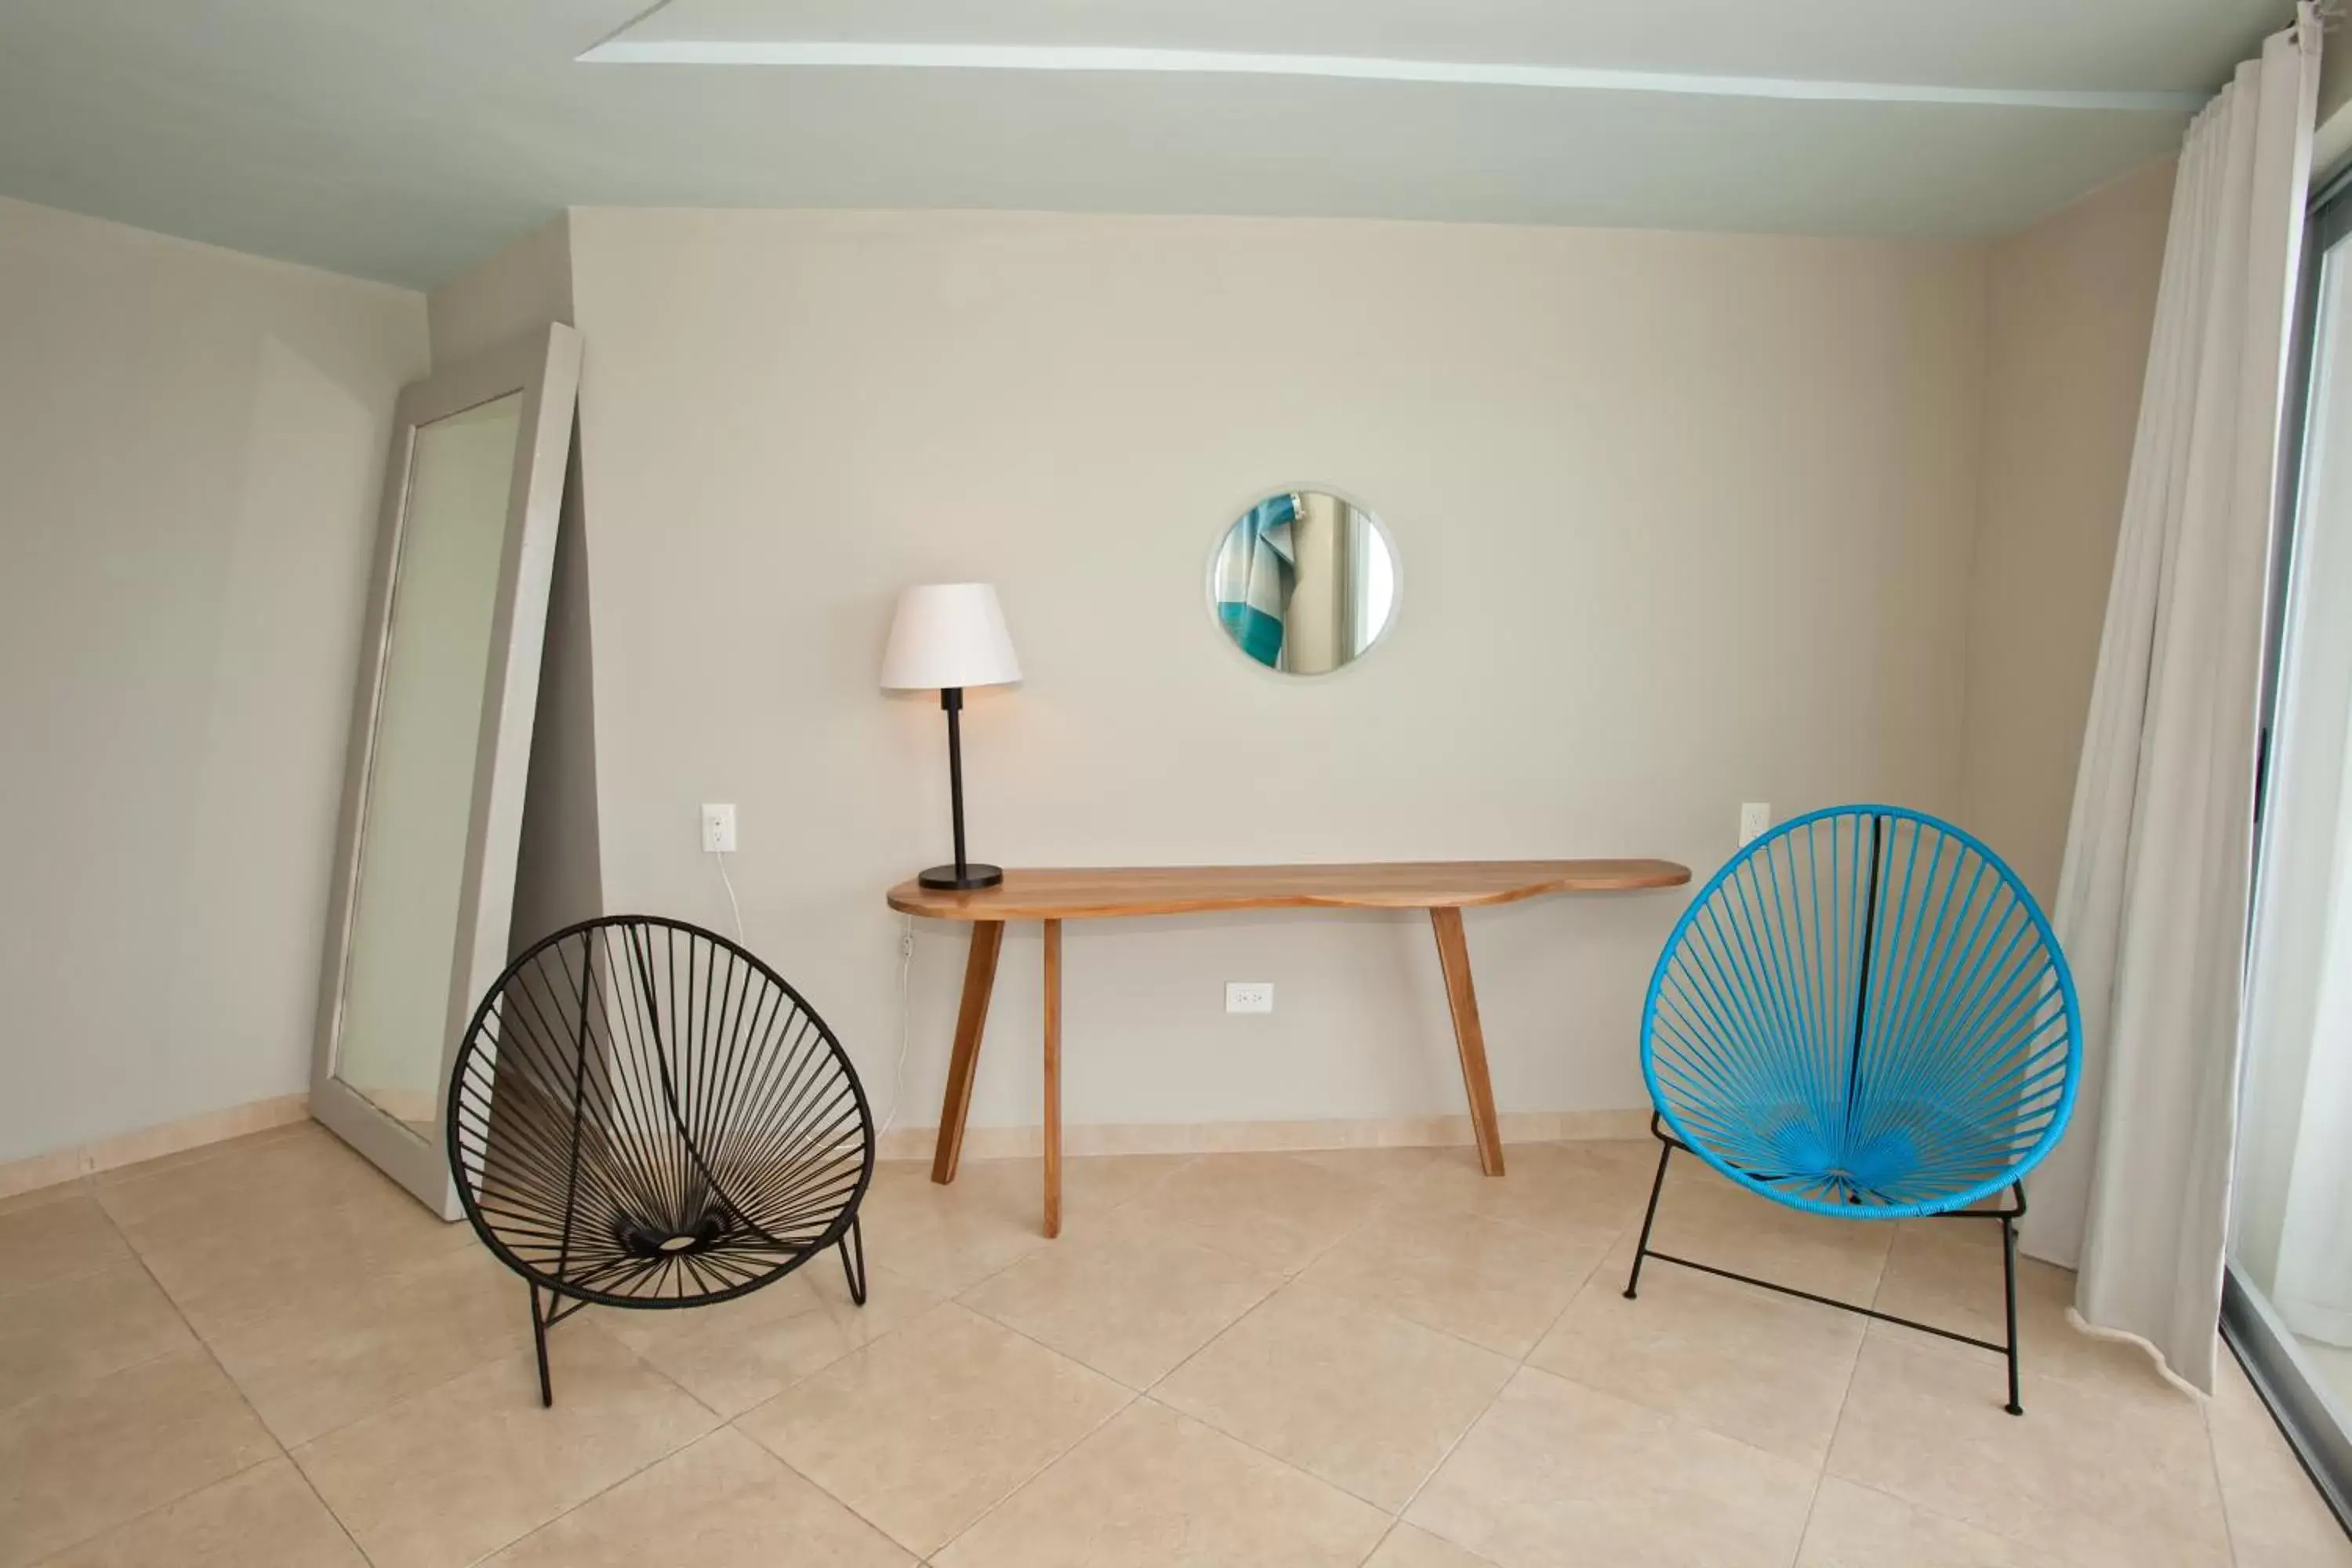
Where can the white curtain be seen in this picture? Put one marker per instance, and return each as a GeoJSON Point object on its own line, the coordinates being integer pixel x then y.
{"type": "Point", "coordinates": [2152, 899]}
{"type": "Point", "coordinates": [2293, 1209]}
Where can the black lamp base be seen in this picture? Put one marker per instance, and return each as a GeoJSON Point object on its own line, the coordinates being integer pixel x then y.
{"type": "Point", "coordinates": [972, 876]}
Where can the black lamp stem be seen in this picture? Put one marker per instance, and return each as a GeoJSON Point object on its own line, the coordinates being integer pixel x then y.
{"type": "Point", "coordinates": [964, 875]}
{"type": "Point", "coordinates": [952, 699]}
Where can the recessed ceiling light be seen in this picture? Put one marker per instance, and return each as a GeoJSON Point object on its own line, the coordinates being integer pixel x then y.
{"type": "Point", "coordinates": [1349, 67]}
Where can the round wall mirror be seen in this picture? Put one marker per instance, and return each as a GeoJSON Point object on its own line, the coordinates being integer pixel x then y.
{"type": "Point", "coordinates": [1304, 582]}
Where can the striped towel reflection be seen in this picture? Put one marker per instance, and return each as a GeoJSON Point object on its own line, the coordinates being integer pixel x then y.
{"type": "Point", "coordinates": [1255, 572]}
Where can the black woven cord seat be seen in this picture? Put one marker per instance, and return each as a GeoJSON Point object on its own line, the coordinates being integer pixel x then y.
{"type": "Point", "coordinates": [642, 1115]}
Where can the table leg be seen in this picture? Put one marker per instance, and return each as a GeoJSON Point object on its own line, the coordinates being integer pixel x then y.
{"type": "Point", "coordinates": [1454, 957]}
{"type": "Point", "coordinates": [971, 1018]}
{"type": "Point", "coordinates": [1053, 1077]}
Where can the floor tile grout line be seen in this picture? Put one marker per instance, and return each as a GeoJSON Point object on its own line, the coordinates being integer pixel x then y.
{"type": "Point", "coordinates": [443, 1249]}
{"type": "Point", "coordinates": [1516, 1359]}
{"type": "Point", "coordinates": [74, 1384]}
{"type": "Point", "coordinates": [1381, 1540]}
{"type": "Point", "coordinates": [2008, 1538]}
{"type": "Point", "coordinates": [725, 1423]}
{"type": "Point", "coordinates": [31, 1199]}
{"type": "Point", "coordinates": [470, 1370]}
{"type": "Point", "coordinates": [127, 1520]}
{"type": "Point", "coordinates": [720, 1422]}
{"type": "Point", "coordinates": [2213, 1458]}
{"type": "Point", "coordinates": [1203, 1348]}
{"type": "Point", "coordinates": [1526, 1364]}
{"type": "Point", "coordinates": [920, 1560]}
{"type": "Point", "coordinates": [1395, 1516]}
{"type": "Point", "coordinates": [624, 1480]}
{"type": "Point", "coordinates": [92, 1182]}
{"type": "Point", "coordinates": [1450, 1449]}
{"type": "Point", "coordinates": [1384, 1201]}
{"type": "Point", "coordinates": [1518, 1365]}
{"type": "Point", "coordinates": [1146, 1395]}
{"type": "Point", "coordinates": [1010, 1492]}
{"type": "Point", "coordinates": [1288, 1280]}
{"type": "Point", "coordinates": [454, 1244]}
{"type": "Point", "coordinates": [1043, 1241]}
{"type": "Point", "coordinates": [1582, 1287]}
{"type": "Point", "coordinates": [1284, 1283]}
{"type": "Point", "coordinates": [1387, 1202]}
{"type": "Point", "coordinates": [1821, 1473]}
{"type": "Point", "coordinates": [1077, 1360]}
{"type": "Point", "coordinates": [53, 1282]}
{"type": "Point", "coordinates": [346, 1423]}
{"type": "Point", "coordinates": [104, 1183]}
{"type": "Point", "coordinates": [283, 1452]}
{"type": "Point", "coordinates": [956, 1299]}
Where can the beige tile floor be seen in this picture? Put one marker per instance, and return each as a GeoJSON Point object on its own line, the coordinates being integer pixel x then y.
{"type": "Point", "coordinates": [262, 1354]}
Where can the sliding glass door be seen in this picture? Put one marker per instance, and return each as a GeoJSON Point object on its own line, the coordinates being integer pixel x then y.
{"type": "Point", "coordinates": [2288, 1310]}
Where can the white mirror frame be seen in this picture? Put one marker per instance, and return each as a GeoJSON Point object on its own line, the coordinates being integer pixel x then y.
{"type": "Point", "coordinates": [545, 369]}
{"type": "Point", "coordinates": [1217, 548]}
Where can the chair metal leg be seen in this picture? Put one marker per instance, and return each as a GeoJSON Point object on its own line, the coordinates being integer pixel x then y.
{"type": "Point", "coordinates": [1649, 1219]}
{"type": "Point", "coordinates": [2007, 1348]}
{"type": "Point", "coordinates": [2008, 1287]}
{"type": "Point", "coordinates": [853, 1246]}
{"type": "Point", "coordinates": [539, 1339]}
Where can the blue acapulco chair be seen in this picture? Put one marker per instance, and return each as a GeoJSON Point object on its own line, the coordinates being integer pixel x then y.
{"type": "Point", "coordinates": [1864, 1014]}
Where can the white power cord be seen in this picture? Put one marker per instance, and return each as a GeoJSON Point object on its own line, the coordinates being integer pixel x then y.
{"type": "Point", "coordinates": [905, 993]}
{"type": "Point", "coordinates": [729, 883]}
{"type": "Point", "coordinates": [906, 972]}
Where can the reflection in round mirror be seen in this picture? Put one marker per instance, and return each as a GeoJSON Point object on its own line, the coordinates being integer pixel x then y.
{"type": "Point", "coordinates": [1304, 582]}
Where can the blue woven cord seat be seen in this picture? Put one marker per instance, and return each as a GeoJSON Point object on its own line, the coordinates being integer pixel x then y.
{"type": "Point", "coordinates": [1864, 1015]}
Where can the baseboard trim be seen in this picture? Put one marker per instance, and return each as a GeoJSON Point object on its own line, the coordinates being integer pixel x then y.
{"type": "Point", "coordinates": [61, 1165]}
{"type": "Point", "coordinates": [1269, 1137]}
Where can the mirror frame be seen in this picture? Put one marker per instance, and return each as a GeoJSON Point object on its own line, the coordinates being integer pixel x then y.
{"type": "Point", "coordinates": [1217, 548]}
{"type": "Point", "coordinates": [544, 367]}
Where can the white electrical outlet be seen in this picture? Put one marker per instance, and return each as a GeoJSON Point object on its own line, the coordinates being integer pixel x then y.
{"type": "Point", "coordinates": [1249, 996]}
{"type": "Point", "coordinates": [1755, 816]}
{"type": "Point", "coordinates": [718, 829]}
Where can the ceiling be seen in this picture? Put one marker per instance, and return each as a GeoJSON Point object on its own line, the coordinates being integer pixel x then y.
{"type": "Point", "coordinates": [404, 140]}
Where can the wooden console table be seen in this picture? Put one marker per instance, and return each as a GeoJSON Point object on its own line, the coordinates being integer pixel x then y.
{"type": "Point", "coordinates": [1442, 887]}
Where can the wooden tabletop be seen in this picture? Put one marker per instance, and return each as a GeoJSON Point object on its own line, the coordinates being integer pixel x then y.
{"type": "Point", "coordinates": [1105, 892]}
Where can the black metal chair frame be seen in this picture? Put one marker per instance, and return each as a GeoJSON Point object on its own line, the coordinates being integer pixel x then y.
{"type": "Point", "coordinates": [718, 1225]}
{"type": "Point", "coordinates": [2006, 1218]}
{"type": "Point", "coordinates": [851, 1246]}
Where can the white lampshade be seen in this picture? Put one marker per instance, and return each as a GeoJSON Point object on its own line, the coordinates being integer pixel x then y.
{"type": "Point", "coordinates": [948, 633]}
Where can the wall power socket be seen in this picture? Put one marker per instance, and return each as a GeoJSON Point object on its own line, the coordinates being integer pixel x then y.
{"type": "Point", "coordinates": [1249, 996]}
{"type": "Point", "coordinates": [718, 829]}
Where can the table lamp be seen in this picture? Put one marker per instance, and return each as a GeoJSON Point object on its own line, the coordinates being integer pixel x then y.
{"type": "Point", "coordinates": [951, 636]}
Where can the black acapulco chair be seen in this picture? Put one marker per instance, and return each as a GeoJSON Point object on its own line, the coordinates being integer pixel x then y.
{"type": "Point", "coordinates": [645, 1115]}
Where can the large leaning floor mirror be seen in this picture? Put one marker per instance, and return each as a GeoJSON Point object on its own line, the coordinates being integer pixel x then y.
{"type": "Point", "coordinates": [440, 746]}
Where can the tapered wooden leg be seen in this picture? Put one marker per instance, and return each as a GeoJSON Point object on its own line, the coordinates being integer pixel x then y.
{"type": "Point", "coordinates": [971, 1018]}
{"type": "Point", "coordinates": [1053, 1077]}
{"type": "Point", "coordinates": [1454, 957]}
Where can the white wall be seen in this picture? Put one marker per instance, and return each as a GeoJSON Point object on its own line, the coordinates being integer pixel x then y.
{"type": "Point", "coordinates": [1683, 521]}
{"type": "Point", "coordinates": [521, 290]}
{"type": "Point", "coordinates": [522, 287]}
{"type": "Point", "coordinates": [2073, 302]}
{"type": "Point", "coordinates": [191, 442]}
